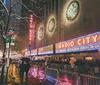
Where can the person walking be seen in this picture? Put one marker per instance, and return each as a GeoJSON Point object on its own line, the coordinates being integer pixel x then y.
{"type": "Point", "coordinates": [45, 63]}
{"type": "Point", "coordinates": [27, 67]}
{"type": "Point", "coordinates": [72, 63]}
{"type": "Point", "coordinates": [22, 69]}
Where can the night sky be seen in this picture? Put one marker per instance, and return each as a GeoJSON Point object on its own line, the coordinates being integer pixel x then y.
{"type": "Point", "coordinates": [37, 6]}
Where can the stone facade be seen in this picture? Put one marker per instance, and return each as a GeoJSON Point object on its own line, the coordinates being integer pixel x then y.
{"type": "Point", "coordinates": [86, 21]}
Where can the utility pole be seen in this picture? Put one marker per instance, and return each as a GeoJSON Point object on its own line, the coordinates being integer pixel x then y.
{"type": "Point", "coordinates": [10, 33]}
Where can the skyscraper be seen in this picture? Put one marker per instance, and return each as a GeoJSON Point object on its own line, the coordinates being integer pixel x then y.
{"type": "Point", "coordinates": [15, 10]}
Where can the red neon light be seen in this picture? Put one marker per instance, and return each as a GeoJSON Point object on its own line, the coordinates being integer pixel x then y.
{"type": "Point", "coordinates": [31, 30]}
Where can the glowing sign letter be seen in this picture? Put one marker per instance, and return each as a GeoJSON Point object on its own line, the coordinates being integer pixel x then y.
{"type": "Point", "coordinates": [94, 38]}
{"type": "Point", "coordinates": [79, 42]}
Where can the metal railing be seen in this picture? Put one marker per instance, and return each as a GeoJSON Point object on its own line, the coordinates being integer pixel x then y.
{"type": "Point", "coordinates": [80, 69]}
{"type": "Point", "coordinates": [88, 80]}
{"type": "Point", "coordinates": [52, 75]}
{"type": "Point", "coordinates": [62, 75]}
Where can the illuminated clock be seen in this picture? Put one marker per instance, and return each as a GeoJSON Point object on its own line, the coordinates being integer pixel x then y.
{"type": "Point", "coordinates": [72, 10]}
{"type": "Point", "coordinates": [40, 32]}
{"type": "Point", "coordinates": [51, 25]}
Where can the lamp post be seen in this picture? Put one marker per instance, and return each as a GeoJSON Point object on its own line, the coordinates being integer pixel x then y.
{"type": "Point", "coordinates": [10, 33]}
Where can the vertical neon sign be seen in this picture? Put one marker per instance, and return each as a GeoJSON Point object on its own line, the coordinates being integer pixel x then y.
{"type": "Point", "coordinates": [31, 30]}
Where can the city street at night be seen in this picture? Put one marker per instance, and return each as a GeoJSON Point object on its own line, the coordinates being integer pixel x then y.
{"type": "Point", "coordinates": [49, 42]}
{"type": "Point", "coordinates": [37, 76]}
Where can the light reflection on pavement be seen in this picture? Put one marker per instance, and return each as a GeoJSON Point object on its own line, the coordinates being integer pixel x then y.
{"type": "Point", "coordinates": [37, 77]}
{"type": "Point", "coordinates": [65, 81]}
{"type": "Point", "coordinates": [49, 80]}
{"type": "Point", "coordinates": [13, 73]}
{"type": "Point", "coordinates": [37, 72]}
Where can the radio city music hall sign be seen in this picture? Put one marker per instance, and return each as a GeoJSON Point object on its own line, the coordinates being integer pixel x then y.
{"type": "Point", "coordinates": [80, 41]}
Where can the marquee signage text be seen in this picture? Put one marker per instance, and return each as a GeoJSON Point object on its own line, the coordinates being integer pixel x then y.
{"type": "Point", "coordinates": [45, 50]}
{"type": "Point", "coordinates": [34, 52]}
{"type": "Point", "coordinates": [88, 42]}
{"type": "Point", "coordinates": [27, 53]}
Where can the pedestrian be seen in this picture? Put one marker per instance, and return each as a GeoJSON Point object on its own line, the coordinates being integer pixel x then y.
{"type": "Point", "coordinates": [22, 69]}
{"type": "Point", "coordinates": [72, 63]}
{"type": "Point", "coordinates": [46, 62]}
{"type": "Point", "coordinates": [27, 67]}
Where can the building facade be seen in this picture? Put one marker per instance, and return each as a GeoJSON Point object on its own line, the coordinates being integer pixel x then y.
{"type": "Point", "coordinates": [69, 20]}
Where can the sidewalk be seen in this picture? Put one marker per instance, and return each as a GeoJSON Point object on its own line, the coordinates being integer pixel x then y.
{"type": "Point", "coordinates": [14, 78]}
{"type": "Point", "coordinates": [13, 75]}
{"type": "Point", "coordinates": [36, 76]}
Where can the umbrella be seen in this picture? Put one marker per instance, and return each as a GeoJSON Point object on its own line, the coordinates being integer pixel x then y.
{"type": "Point", "coordinates": [25, 59]}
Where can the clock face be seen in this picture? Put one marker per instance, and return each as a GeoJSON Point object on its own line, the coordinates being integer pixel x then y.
{"type": "Point", "coordinates": [72, 10]}
{"type": "Point", "coordinates": [51, 25]}
{"type": "Point", "coordinates": [40, 32]}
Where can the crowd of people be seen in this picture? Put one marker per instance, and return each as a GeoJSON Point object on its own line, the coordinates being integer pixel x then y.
{"type": "Point", "coordinates": [83, 66]}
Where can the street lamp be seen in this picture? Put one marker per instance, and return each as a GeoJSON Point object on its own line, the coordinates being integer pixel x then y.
{"type": "Point", "coordinates": [10, 33]}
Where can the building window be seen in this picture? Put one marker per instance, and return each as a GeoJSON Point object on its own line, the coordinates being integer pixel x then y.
{"type": "Point", "coordinates": [56, 6]}
{"type": "Point", "coordinates": [46, 10]}
{"type": "Point", "coordinates": [49, 6]}
{"type": "Point", "coordinates": [53, 5]}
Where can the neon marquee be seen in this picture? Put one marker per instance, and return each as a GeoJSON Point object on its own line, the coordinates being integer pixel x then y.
{"type": "Point", "coordinates": [84, 43]}
{"type": "Point", "coordinates": [34, 52]}
{"type": "Point", "coordinates": [27, 53]}
{"type": "Point", "coordinates": [45, 50]}
{"type": "Point", "coordinates": [31, 30]}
